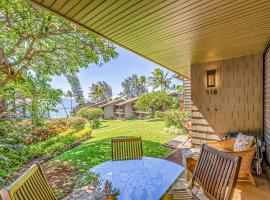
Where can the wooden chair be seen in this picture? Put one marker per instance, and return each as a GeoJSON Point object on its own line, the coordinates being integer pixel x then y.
{"type": "Point", "coordinates": [31, 185]}
{"type": "Point", "coordinates": [215, 175]}
{"type": "Point", "coordinates": [247, 157]}
{"type": "Point", "coordinates": [127, 148]}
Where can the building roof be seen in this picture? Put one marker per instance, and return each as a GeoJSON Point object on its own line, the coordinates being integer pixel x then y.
{"type": "Point", "coordinates": [173, 34]}
{"type": "Point", "coordinates": [90, 105]}
{"type": "Point", "coordinates": [127, 101]}
{"type": "Point", "coordinates": [113, 102]}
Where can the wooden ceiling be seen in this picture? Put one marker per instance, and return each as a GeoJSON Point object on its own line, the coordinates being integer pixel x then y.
{"type": "Point", "coordinates": [174, 33]}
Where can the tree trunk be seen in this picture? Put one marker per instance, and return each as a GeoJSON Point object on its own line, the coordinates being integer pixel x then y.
{"type": "Point", "coordinates": [64, 107]}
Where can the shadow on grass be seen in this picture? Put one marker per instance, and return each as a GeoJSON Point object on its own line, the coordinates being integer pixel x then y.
{"type": "Point", "coordinates": [93, 153]}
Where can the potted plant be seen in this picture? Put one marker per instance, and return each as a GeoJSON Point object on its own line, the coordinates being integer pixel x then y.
{"type": "Point", "coordinates": [110, 191]}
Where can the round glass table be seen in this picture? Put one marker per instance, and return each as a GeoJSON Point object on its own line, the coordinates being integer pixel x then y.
{"type": "Point", "coordinates": [145, 179]}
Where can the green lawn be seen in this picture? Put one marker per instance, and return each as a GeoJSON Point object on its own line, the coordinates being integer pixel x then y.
{"type": "Point", "coordinates": [98, 149]}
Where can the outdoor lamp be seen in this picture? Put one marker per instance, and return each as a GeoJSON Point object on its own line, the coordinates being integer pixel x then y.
{"type": "Point", "coordinates": [211, 81]}
{"type": "Point", "coordinates": [211, 78]}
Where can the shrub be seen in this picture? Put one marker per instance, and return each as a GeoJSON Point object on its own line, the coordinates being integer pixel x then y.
{"type": "Point", "coordinates": [58, 122]}
{"type": "Point", "coordinates": [154, 101]}
{"type": "Point", "coordinates": [77, 123]}
{"type": "Point", "coordinates": [95, 124]}
{"type": "Point", "coordinates": [39, 134]}
{"type": "Point", "coordinates": [186, 115]}
{"type": "Point", "coordinates": [51, 128]}
{"type": "Point", "coordinates": [159, 114]}
{"type": "Point", "coordinates": [131, 117]}
{"type": "Point", "coordinates": [173, 118]}
{"type": "Point", "coordinates": [90, 113]}
{"type": "Point", "coordinates": [57, 143]}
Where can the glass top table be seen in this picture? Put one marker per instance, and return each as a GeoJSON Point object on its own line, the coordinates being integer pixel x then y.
{"type": "Point", "coordinates": [145, 179]}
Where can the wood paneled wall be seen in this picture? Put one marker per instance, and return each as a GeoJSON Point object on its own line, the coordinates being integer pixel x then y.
{"type": "Point", "coordinates": [187, 94]}
{"type": "Point", "coordinates": [238, 104]}
{"type": "Point", "coordinates": [267, 111]}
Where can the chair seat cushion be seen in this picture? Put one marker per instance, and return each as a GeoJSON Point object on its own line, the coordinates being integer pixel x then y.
{"type": "Point", "coordinates": [243, 142]}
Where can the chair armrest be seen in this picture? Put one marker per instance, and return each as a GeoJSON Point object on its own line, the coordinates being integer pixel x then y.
{"type": "Point", "coordinates": [5, 195]}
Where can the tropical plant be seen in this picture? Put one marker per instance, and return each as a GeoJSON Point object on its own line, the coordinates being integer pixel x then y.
{"type": "Point", "coordinates": [90, 113]}
{"type": "Point", "coordinates": [76, 88]}
{"type": "Point", "coordinates": [77, 123]}
{"type": "Point", "coordinates": [62, 102]}
{"type": "Point", "coordinates": [42, 98]}
{"type": "Point", "coordinates": [178, 88]}
{"type": "Point", "coordinates": [33, 39]}
{"type": "Point", "coordinates": [160, 79]}
{"type": "Point", "coordinates": [134, 86]}
{"type": "Point", "coordinates": [173, 118]}
{"type": "Point", "coordinates": [69, 95]}
{"type": "Point", "coordinates": [56, 143]}
{"type": "Point", "coordinates": [95, 124]}
{"type": "Point", "coordinates": [154, 101]}
{"type": "Point", "coordinates": [175, 102]}
{"type": "Point", "coordinates": [100, 91]}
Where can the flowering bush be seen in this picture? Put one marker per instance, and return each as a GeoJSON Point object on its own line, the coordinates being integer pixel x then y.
{"type": "Point", "coordinates": [77, 123]}
{"type": "Point", "coordinates": [52, 127]}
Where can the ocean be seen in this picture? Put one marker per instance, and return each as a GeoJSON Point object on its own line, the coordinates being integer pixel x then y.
{"type": "Point", "coordinates": [63, 108]}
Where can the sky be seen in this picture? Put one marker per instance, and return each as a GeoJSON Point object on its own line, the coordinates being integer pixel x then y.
{"type": "Point", "coordinates": [113, 72]}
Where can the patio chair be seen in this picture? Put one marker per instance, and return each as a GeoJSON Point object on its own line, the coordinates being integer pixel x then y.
{"type": "Point", "coordinates": [214, 177]}
{"type": "Point", "coordinates": [247, 157]}
{"type": "Point", "coordinates": [127, 148]}
{"type": "Point", "coordinates": [32, 184]}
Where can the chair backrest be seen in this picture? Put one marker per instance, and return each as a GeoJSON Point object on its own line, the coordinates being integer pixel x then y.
{"type": "Point", "coordinates": [30, 185]}
{"type": "Point", "coordinates": [216, 173]}
{"type": "Point", "coordinates": [127, 148]}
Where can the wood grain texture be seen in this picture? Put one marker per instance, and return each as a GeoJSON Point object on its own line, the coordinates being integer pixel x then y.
{"type": "Point", "coordinates": [267, 105]}
{"type": "Point", "coordinates": [174, 34]}
{"type": "Point", "coordinates": [238, 104]}
{"type": "Point", "coordinates": [216, 173]}
{"type": "Point", "coordinates": [187, 94]}
{"type": "Point", "coordinates": [31, 185]}
{"type": "Point", "coordinates": [126, 148]}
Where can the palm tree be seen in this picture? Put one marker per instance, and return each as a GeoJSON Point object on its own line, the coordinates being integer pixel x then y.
{"type": "Point", "coordinates": [69, 94]}
{"type": "Point", "coordinates": [63, 95]}
{"type": "Point", "coordinates": [178, 88]}
{"type": "Point", "coordinates": [160, 79]}
{"type": "Point", "coordinates": [76, 88]}
{"type": "Point", "coordinates": [100, 91]}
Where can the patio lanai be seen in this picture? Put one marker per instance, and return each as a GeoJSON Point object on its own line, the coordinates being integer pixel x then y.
{"type": "Point", "coordinates": [191, 38]}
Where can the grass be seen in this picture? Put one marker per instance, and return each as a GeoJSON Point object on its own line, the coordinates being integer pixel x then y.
{"type": "Point", "coordinates": [98, 149]}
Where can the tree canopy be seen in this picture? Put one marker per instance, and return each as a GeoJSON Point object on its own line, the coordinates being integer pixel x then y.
{"type": "Point", "coordinates": [33, 39]}
{"type": "Point", "coordinates": [100, 91]}
{"type": "Point", "coordinates": [160, 79]}
{"type": "Point", "coordinates": [154, 101]}
{"type": "Point", "coordinates": [134, 86]}
{"type": "Point", "coordinates": [76, 88]}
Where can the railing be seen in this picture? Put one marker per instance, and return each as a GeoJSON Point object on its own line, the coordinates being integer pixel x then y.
{"type": "Point", "coordinates": [119, 110]}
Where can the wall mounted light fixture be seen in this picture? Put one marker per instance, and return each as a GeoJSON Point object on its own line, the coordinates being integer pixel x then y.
{"type": "Point", "coordinates": [211, 81]}
{"type": "Point", "coordinates": [211, 78]}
